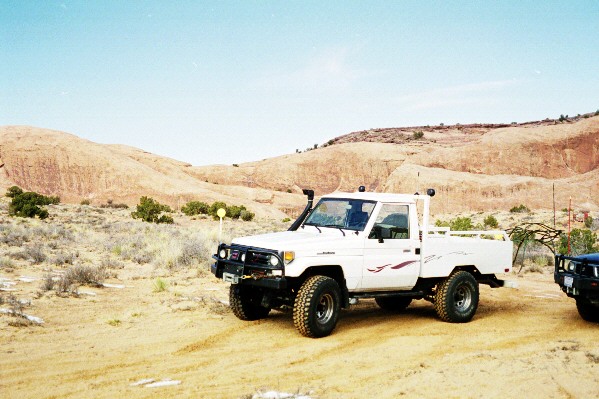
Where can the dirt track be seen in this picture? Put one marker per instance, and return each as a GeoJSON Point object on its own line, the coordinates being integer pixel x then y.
{"type": "Point", "coordinates": [525, 342]}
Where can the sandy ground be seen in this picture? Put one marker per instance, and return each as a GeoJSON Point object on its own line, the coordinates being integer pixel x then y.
{"type": "Point", "coordinates": [524, 342]}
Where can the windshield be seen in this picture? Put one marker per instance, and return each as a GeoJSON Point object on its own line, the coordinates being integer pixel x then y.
{"type": "Point", "coordinates": [340, 213]}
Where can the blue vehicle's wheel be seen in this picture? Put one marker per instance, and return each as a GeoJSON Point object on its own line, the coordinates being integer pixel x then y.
{"type": "Point", "coordinates": [587, 310]}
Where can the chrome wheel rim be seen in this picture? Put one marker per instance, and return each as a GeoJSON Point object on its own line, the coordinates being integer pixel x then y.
{"type": "Point", "coordinates": [324, 309]}
{"type": "Point", "coordinates": [462, 298]}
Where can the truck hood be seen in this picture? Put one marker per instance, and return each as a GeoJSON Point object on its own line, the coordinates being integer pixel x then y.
{"type": "Point", "coordinates": [301, 240]}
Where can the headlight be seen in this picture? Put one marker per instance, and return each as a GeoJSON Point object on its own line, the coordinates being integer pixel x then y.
{"type": "Point", "coordinates": [288, 256]}
{"type": "Point", "coordinates": [243, 257]}
{"type": "Point", "coordinates": [571, 266]}
{"type": "Point", "coordinates": [222, 254]}
{"type": "Point", "coordinates": [274, 260]}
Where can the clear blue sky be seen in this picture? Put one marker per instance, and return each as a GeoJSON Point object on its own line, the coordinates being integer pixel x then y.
{"type": "Point", "coordinates": [227, 82]}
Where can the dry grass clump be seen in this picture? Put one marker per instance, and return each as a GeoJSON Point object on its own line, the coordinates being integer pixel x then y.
{"type": "Point", "coordinates": [111, 263]}
{"type": "Point", "coordinates": [15, 309]}
{"type": "Point", "coordinates": [75, 276]}
{"type": "Point", "coordinates": [62, 258]}
{"type": "Point", "coordinates": [14, 235]}
{"type": "Point", "coordinates": [6, 263]}
{"type": "Point", "coordinates": [34, 253]}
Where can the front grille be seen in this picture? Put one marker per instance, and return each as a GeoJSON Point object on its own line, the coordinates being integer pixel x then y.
{"type": "Point", "coordinates": [260, 259]}
{"type": "Point", "coordinates": [585, 270]}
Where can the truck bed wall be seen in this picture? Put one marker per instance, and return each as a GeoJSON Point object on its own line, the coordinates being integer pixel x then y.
{"type": "Point", "coordinates": [441, 254]}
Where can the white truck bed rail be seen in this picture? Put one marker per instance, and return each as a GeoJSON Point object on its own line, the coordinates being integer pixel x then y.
{"type": "Point", "coordinates": [441, 232]}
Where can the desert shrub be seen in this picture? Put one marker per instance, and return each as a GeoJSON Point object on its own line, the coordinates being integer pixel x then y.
{"type": "Point", "coordinates": [80, 275]}
{"type": "Point", "coordinates": [115, 206]}
{"type": "Point", "coordinates": [159, 285]}
{"type": "Point", "coordinates": [491, 221]}
{"type": "Point", "coordinates": [14, 236]}
{"type": "Point", "coordinates": [35, 254]}
{"type": "Point", "coordinates": [85, 202]}
{"type": "Point", "coordinates": [247, 216]}
{"type": "Point", "coordinates": [111, 263]}
{"type": "Point", "coordinates": [234, 211]}
{"type": "Point", "coordinates": [62, 258]}
{"type": "Point", "coordinates": [582, 241]}
{"type": "Point", "coordinates": [14, 191]}
{"type": "Point", "coordinates": [418, 134]}
{"type": "Point", "coordinates": [457, 224]}
{"type": "Point", "coordinates": [195, 208]}
{"type": "Point", "coordinates": [47, 282]}
{"type": "Point", "coordinates": [215, 207]}
{"type": "Point", "coordinates": [520, 209]}
{"type": "Point", "coordinates": [28, 205]}
{"type": "Point", "coordinates": [6, 263]}
{"type": "Point", "coordinates": [285, 220]}
{"type": "Point", "coordinates": [190, 253]}
{"type": "Point", "coordinates": [588, 222]}
{"type": "Point", "coordinates": [150, 210]}
{"type": "Point", "coordinates": [142, 257]}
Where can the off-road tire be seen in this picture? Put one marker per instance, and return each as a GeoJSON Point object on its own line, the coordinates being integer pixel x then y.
{"type": "Point", "coordinates": [242, 301]}
{"type": "Point", "coordinates": [393, 303]}
{"type": "Point", "coordinates": [456, 298]}
{"type": "Point", "coordinates": [587, 310]}
{"type": "Point", "coordinates": [317, 306]}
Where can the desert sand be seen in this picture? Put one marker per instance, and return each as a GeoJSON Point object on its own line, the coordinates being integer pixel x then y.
{"type": "Point", "coordinates": [110, 342]}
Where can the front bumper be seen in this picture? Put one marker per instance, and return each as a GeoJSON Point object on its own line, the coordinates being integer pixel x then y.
{"type": "Point", "coordinates": [579, 282]}
{"type": "Point", "coordinates": [249, 266]}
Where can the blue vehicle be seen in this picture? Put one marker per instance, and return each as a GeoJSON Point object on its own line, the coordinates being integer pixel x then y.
{"type": "Point", "coordinates": [578, 277]}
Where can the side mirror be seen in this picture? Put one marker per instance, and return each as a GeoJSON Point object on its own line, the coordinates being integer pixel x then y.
{"type": "Point", "coordinates": [377, 233]}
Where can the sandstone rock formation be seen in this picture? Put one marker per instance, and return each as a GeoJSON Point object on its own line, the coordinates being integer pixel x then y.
{"type": "Point", "coordinates": [473, 167]}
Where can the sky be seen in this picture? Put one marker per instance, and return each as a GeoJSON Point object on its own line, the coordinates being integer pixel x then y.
{"type": "Point", "coordinates": [223, 82]}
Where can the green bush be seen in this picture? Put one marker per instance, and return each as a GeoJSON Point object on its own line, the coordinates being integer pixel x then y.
{"type": "Point", "coordinates": [14, 191]}
{"type": "Point", "coordinates": [247, 216]}
{"type": "Point", "coordinates": [215, 207]}
{"type": "Point", "coordinates": [588, 222]}
{"type": "Point", "coordinates": [491, 221]}
{"type": "Point", "coordinates": [195, 208]}
{"type": "Point", "coordinates": [234, 211]}
{"type": "Point", "coordinates": [150, 210]}
{"type": "Point", "coordinates": [418, 134]}
{"type": "Point", "coordinates": [285, 220]}
{"type": "Point", "coordinates": [520, 209]}
{"type": "Point", "coordinates": [582, 241]}
{"type": "Point", "coordinates": [28, 204]}
{"type": "Point", "coordinates": [457, 224]}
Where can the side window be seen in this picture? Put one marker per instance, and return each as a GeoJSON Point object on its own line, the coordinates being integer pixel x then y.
{"type": "Point", "coordinates": [392, 223]}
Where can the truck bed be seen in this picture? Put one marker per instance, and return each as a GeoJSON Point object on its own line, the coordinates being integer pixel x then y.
{"type": "Point", "coordinates": [489, 251]}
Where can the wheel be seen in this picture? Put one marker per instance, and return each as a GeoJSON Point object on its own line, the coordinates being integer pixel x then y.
{"type": "Point", "coordinates": [393, 303]}
{"type": "Point", "coordinates": [456, 299]}
{"type": "Point", "coordinates": [317, 305]}
{"type": "Point", "coordinates": [587, 310]}
{"type": "Point", "coordinates": [245, 303]}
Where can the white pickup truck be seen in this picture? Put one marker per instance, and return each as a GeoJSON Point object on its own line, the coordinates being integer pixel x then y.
{"type": "Point", "coordinates": [361, 245]}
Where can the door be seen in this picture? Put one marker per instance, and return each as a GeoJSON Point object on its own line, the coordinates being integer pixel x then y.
{"type": "Point", "coordinates": [390, 250]}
